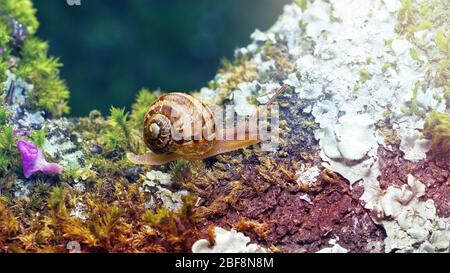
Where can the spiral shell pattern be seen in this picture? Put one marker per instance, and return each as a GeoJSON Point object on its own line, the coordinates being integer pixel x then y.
{"type": "Point", "coordinates": [179, 123]}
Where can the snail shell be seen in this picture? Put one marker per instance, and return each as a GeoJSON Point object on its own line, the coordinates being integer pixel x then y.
{"type": "Point", "coordinates": [178, 123]}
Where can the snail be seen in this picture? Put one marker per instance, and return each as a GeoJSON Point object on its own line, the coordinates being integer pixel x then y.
{"type": "Point", "coordinates": [194, 124]}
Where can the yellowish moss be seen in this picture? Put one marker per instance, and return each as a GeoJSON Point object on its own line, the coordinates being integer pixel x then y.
{"type": "Point", "coordinates": [260, 229]}
{"type": "Point", "coordinates": [9, 224]}
{"type": "Point", "coordinates": [364, 75]}
{"type": "Point", "coordinates": [178, 228]}
{"type": "Point", "coordinates": [437, 129]}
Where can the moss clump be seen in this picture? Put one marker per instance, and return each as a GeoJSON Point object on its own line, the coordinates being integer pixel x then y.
{"type": "Point", "coordinates": [385, 67]}
{"type": "Point", "coordinates": [9, 224]}
{"type": "Point", "coordinates": [443, 67]}
{"type": "Point", "coordinates": [414, 55]}
{"type": "Point", "coordinates": [178, 228]}
{"type": "Point", "coordinates": [437, 129]}
{"type": "Point", "coordinates": [104, 145]}
{"type": "Point", "coordinates": [4, 35]}
{"type": "Point", "coordinates": [8, 151]}
{"type": "Point", "coordinates": [114, 219]}
{"type": "Point", "coordinates": [414, 108]}
{"type": "Point", "coordinates": [3, 115]}
{"type": "Point", "coordinates": [50, 92]}
{"type": "Point", "coordinates": [364, 75]}
{"type": "Point", "coordinates": [121, 133]}
{"type": "Point", "coordinates": [442, 42]}
{"type": "Point", "coordinates": [2, 75]}
{"type": "Point", "coordinates": [443, 73]}
{"type": "Point", "coordinates": [39, 137]}
{"type": "Point", "coordinates": [22, 11]}
{"type": "Point", "coordinates": [4, 40]}
{"type": "Point", "coordinates": [144, 99]}
{"type": "Point", "coordinates": [6, 147]}
{"type": "Point", "coordinates": [177, 165]}
{"type": "Point", "coordinates": [303, 4]}
{"type": "Point", "coordinates": [119, 119]}
{"type": "Point", "coordinates": [447, 95]}
{"type": "Point", "coordinates": [29, 59]}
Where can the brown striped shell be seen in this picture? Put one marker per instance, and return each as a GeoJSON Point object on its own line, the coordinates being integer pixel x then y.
{"type": "Point", "coordinates": [178, 123]}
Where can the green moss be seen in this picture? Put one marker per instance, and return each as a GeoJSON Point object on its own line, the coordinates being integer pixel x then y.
{"type": "Point", "coordinates": [3, 77]}
{"type": "Point", "coordinates": [5, 141]}
{"type": "Point", "coordinates": [385, 67]}
{"type": "Point", "coordinates": [443, 73]}
{"type": "Point", "coordinates": [50, 92]}
{"type": "Point", "coordinates": [303, 4]}
{"type": "Point", "coordinates": [447, 94]}
{"type": "Point", "coordinates": [8, 151]}
{"type": "Point", "coordinates": [4, 35]}
{"type": "Point", "coordinates": [364, 75]}
{"type": "Point", "coordinates": [442, 42]}
{"type": "Point", "coordinates": [443, 67]}
{"type": "Point", "coordinates": [144, 99]}
{"type": "Point", "coordinates": [414, 55]}
{"type": "Point", "coordinates": [4, 162]}
{"type": "Point", "coordinates": [57, 198]}
{"type": "Point", "coordinates": [437, 97]}
{"type": "Point", "coordinates": [424, 8]}
{"type": "Point", "coordinates": [420, 26]}
{"type": "Point", "coordinates": [6, 138]}
{"type": "Point", "coordinates": [22, 11]}
{"type": "Point", "coordinates": [388, 42]}
{"type": "Point", "coordinates": [113, 140]}
{"type": "Point", "coordinates": [119, 121]}
{"type": "Point", "coordinates": [3, 116]}
{"type": "Point", "coordinates": [4, 40]}
{"type": "Point", "coordinates": [119, 118]}
{"type": "Point", "coordinates": [176, 166]}
{"type": "Point", "coordinates": [38, 137]}
{"type": "Point", "coordinates": [414, 106]}
{"type": "Point", "coordinates": [437, 129]}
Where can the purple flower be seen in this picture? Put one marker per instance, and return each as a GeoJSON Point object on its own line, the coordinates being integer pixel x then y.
{"type": "Point", "coordinates": [33, 160]}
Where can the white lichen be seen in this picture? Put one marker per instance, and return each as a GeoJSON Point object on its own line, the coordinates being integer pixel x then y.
{"type": "Point", "coordinates": [60, 147]}
{"type": "Point", "coordinates": [159, 195]}
{"type": "Point", "coordinates": [79, 211]}
{"type": "Point", "coordinates": [350, 146]}
{"type": "Point", "coordinates": [307, 176]}
{"type": "Point", "coordinates": [227, 242]}
{"type": "Point", "coordinates": [241, 97]}
{"type": "Point", "coordinates": [160, 177]}
{"type": "Point", "coordinates": [334, 249]}
{"type": "Point", "coordinates": [414, 145]}
{"type": "Point", "coordinates": [411, 225]}
{"type": "Point", "coordinates": [22, 118]}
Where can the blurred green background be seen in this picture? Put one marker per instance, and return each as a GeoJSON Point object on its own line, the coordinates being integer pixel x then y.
{"type": "Point", "coordinates": [110, 49]}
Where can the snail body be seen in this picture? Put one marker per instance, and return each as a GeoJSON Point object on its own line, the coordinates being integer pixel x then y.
{"type": "Point", "coordinates": [178, 125]}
